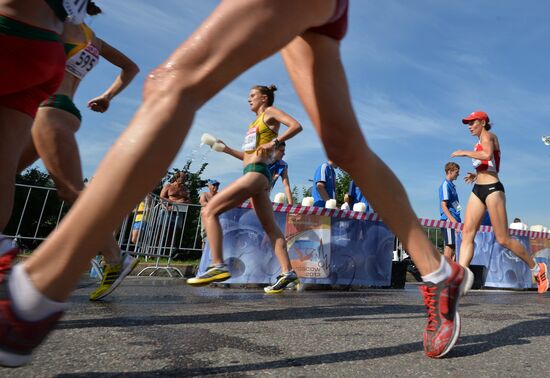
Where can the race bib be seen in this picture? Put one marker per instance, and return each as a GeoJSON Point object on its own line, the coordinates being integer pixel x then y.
{"type": "Point", "coordinates": [76, 10]}
{"type": "Point", "coordinates": [83, 62]}
{"type": "Point", "coordinates": [250, 139]}
{"type": "Point", "coordinates": [457, 206]}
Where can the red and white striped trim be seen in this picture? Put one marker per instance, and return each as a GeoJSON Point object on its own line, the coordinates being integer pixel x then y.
{"type": "Point", "coordinates": [349, 214]}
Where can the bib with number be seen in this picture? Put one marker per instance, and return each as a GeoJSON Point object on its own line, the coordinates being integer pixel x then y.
{"type": "Point", "coordinates": [250, 139]}
{"type": "Point", "coordinates": [76, 10]}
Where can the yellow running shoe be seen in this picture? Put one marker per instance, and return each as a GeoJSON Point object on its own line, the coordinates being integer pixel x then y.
{"type": "Point", "coordinates": [284, 281]}
{"type": "Point", "coordinates": [217, 273]}
{"type": "Point", "coordinates": [113, 275]}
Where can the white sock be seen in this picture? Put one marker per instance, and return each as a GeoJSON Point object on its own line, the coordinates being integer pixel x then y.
{"type": "Point", "coordinates": [536, 269]}
{"type": "Point", "coordinates": [27, 302]}
{"type": "Point", "coordinates": [440, 274]}
{"type": "Point", "coordinates": [5, 244]}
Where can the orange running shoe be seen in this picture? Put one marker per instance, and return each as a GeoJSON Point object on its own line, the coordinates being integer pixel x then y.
{"type": "Point", "coordinates": [542, 278]}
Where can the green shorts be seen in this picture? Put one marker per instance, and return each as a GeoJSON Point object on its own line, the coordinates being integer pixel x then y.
{"type": "Point", "coordinates": [259, 168]}
{"type": "Point", "coordinates": [63, 102]}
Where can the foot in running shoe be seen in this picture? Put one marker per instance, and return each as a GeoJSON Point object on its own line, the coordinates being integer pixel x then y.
{"type": "Point", "coordinates": [441, 301]}
{"type": "Point", "coordinates": [285, 280]}
{"type": "Point", "coordinates": [542, 278]}
{"type": "Point", "coordinates": [214, 273]}
{"type": "Point", "coordinates": [18, 337]}
{"type": "Point", "coordinates": [113, 275]}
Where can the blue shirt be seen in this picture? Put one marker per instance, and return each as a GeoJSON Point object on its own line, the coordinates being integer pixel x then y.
{"type": "Point", "coordinates": [356, 196]}
{"type": "Point", "coordinates": [447, 193]}
{"type": "Point", "coordinates": [276, 169]}
{"type": "Point", "coordinates": [325, 173]}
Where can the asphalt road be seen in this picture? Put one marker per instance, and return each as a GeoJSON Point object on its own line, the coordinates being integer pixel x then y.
{"type": "Point", "coordinates": [161, 327]}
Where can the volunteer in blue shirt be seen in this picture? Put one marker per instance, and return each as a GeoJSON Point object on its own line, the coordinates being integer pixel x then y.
{"type": "Point", "coordinates": [324, 184]}
{"type": "Point", "coordinates": [279, 168]}
{"type": "Point", "coordinates": [449, 207]}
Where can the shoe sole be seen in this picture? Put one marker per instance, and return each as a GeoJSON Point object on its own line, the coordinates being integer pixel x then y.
{"type": "Point", "coordinates": [456, 334]}
{"type": "Point", "coordinates": [13, 360]}
{"type": "Point", "coordinates": [546, 288]}
{"type": "Point", "coordinates": [208, 281]}
{"type": "Point", "coordinates": [467, 282]}
{"type": "Point", "coordinates": [120, 278]}
{"type": "Point", "coordinates": [289, 286]}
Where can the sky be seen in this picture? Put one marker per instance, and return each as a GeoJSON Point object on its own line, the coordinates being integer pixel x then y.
{"type": "Point", "coordinates": [415, 69]}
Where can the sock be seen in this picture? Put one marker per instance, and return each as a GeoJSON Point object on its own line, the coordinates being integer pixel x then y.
{"type": "Point", "coordinates": [27, 302]}
{"type": "Point", "coordinates": [440, 274]}
{"type": "Point", "coordinates": [5, 244]}
{"type": "Point", "coordinates": [536, 269]}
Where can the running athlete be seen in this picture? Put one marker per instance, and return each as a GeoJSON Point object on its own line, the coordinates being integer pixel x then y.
{"type": "Point", "coordinates": [58, 120]}
{"type": "Point", "coordinates": [228, 43]}
{"type": "Point", "coordinates": [488, 194]}
{"type": "Point", "coordinates": [31, 66]}
{"type": "Point", "coordinates": [259, 144]}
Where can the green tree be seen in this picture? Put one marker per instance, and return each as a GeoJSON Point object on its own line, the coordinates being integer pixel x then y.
{"type": "Point", "coordinates": [342, 184]}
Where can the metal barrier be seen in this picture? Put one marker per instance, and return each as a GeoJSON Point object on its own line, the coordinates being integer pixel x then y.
{"type": "Point", "coordinates": [166, 229]}
{"type": "Point", "coordinates": [37, 211]}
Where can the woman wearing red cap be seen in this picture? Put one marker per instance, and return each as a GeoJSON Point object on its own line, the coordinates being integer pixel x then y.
{"type": "Point", "coordinates": [488, 194]}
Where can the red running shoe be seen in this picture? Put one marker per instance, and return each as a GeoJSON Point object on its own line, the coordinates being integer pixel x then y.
{"type": "Point", "coordinates": [18, 337]}
{"type": "Point", "coordinates": [441, 301]}
{"type": "Point", "coordinates": [542, 278]}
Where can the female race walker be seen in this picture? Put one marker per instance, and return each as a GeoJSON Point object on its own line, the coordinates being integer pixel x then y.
{"type": "Point", "coordinates": [58, 120]}
{"type": "Point", "coordinates": [236, 36]}
{"type": "Point", "coordinates": [259, 144]}
{"type": "Point", "coordinates": [488, 194]}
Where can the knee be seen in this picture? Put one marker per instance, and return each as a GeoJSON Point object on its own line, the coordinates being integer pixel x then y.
{"type": "Point", "coordinates": [468, 234]}
{"type": "Point", "coordinates": [208, 213]}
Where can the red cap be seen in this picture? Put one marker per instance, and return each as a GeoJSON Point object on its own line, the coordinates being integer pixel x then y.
{"type": "Point", "coordinates": [482, 116]}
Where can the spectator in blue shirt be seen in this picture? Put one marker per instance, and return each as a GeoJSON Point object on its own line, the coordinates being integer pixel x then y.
{"type": "Point", "coordinates": [449, 207]}
{"type": "Point", "coordinates": [279, 168]}
{"type": "Point", "coordinates": [355, 196]}
{"type": "Point", "coordinates": [324, 184]}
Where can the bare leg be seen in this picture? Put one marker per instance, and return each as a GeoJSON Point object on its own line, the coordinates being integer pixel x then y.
{"type": "Point", "coordinates": [224, 46]}
{"type": "Point", "coordinates": [475, 209]}
{"type": "Point", "coordinates": [496, 204]}
{"type": "Point", "coordinates": [53, 139]}
{"type": "Point", "coordinates": [15, 130]}
{"type": "Point", "coordinates": [310, 59]}
{"type": "Point", "coordinates": [231, 196]}
{"type": "Point", "coordinates": [264, 211]}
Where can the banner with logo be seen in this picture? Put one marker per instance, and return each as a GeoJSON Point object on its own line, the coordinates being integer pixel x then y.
{"type": "Point", "coordinates": [322, 249]}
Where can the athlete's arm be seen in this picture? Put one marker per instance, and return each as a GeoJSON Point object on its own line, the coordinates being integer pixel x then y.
{"type": "Point", "coordinates": [273, 117]}
{"type": "Point", "coordinates": [470, 178]}
{"type": "Point", "coordinates": [230, 151]}
{"type": "Point", "coordinates": [322, 191]}
{"type": "Point", "coordinates": [486, 154]}
{"type": "Point", "coordinates": [128, 71]}
{"type": "Point", "coordinates": [286, 184]}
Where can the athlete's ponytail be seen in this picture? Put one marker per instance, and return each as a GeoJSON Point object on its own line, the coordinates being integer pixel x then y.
{"type": "Point", "coordinates": [92, 9]}
{"type": "Point", "coordinates": [268, 91]}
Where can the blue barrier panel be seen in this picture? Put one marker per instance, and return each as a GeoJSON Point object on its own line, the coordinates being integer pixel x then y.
{"type": "Point", "coordinates": [504, 269]}
{"type": "Point", "coordinates": [322, 250]}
